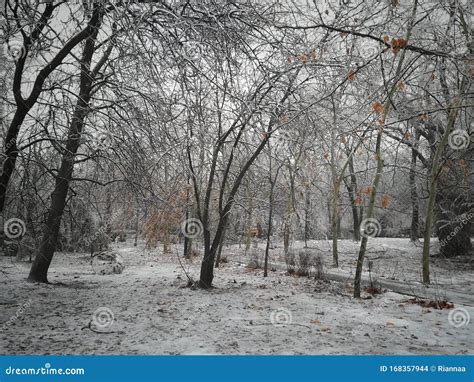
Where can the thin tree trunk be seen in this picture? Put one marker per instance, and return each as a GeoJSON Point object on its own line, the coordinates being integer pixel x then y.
{"type": "Point", "coordinates": [380, 163]}
{"type": "Point", "coordinates": [435, 168]}
{"type": "Point", "coordinates": [370, 211]}
{"type": "Point", "coordinates": [352, 191]}
{"type": "Point", "coordinates": [269, 227]}
{"type": "Point", "coordinates": [187, 240]}
{"type": "Point", "coordinates": [135, 241]}
{"type": "Point", "coordinates": [219, 251]}
{"type": "Point", "coordinates": [248, 227]}
{"type": "Point", "coordinates": [414, 229]}
{"type": "Point", "coordinates": [335, 190]}
{"type": "Point", "coordinates": [307, 221]}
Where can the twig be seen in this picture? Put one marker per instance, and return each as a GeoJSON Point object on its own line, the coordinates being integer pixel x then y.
{"type": "Point", "coordinates": [190, 279]}
{"type": "Point", "coordinates": [89, 326]}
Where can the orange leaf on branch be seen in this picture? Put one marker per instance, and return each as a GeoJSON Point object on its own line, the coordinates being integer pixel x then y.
{"type": "Point", "coordinates": [377, 107]}
{"type": "Point", "coordinates": [397, 44]}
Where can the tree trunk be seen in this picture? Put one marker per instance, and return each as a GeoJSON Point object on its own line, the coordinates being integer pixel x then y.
{"type": "Point", "coordinates": [210, 250]}
{"type": "Point", "coordinates": [334, 229]}
{"type": "Point", "coordinates": [39, 269]}
{"type": "Point", "coordinates": [221, 244]}
{"type": "Point", "coordinates": [207, 270]}
{"type": "Point", "coordinates": [137, 220]}
{"type": "Point", "coordinates": [370, 211]}
{"type": "Point", "coordinates": [378, 157]}
{"type": "Point", "coordinates": [24, 105]}
{"type": "Point", "coordinates": [414, 229]}
{"type": "Point", "coordinates": [434, 185]}
{"type": "Point", "coordinates": [248, 238]}
{"type": "Point", "coordinates": [11, 152]}
{"type": "Point", "coordinates": [269, 229]}
{"type": "Point", "coordinates": [352, 191]}
{"type": "Point", "coordinates": [307, 222]}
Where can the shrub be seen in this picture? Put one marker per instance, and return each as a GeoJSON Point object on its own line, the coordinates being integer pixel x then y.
{"type": "Point", "coordinates": [305, 263]}
{"type": "Point", "coordinates": [254, 260]}
{"type": "Point", "coordinates": [290, 260]}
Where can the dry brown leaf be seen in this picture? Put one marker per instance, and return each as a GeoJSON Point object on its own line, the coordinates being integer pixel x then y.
{"type": "Point", "coordinates": [377, 107]}
{"type": "Point", "coordinates": [351, 76]}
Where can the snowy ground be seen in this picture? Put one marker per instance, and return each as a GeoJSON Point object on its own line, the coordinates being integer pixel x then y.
{"type": "Point", "coordinates": [154, 313]}
{"type": "Point", "coordinates": [393, 259]}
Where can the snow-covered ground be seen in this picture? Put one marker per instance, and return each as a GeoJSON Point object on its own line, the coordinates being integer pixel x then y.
{"type": "Point", "coordinates": [392, 259]}
{"type": "Point", "coordinates": [154, 312]}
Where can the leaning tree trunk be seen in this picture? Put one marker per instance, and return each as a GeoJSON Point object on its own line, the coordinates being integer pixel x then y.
{"type": "Point", "coordinates": [210, 251]}
{"type": "Point", "coordinates": [370, 211]}
{"type": "Point", "coordinates": [11, 152]}
{"type": "Point", "coordinates": [39, 269]}
{"type": "Point", "coordinates": [23, 106]}
{"type": "Point", "coordinates": [269, 228]}
{"type": "Point", "coordinates": [435, 169]}
{"type": "Point", "coordinates": [380, 162]}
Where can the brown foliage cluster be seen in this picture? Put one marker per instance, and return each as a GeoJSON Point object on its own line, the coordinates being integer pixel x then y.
{"type": "Point", "coordinates": [165, 220]}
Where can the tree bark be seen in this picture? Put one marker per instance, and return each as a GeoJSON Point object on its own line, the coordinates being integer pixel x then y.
{"type": "Point", "coordinates": [352, 191]}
